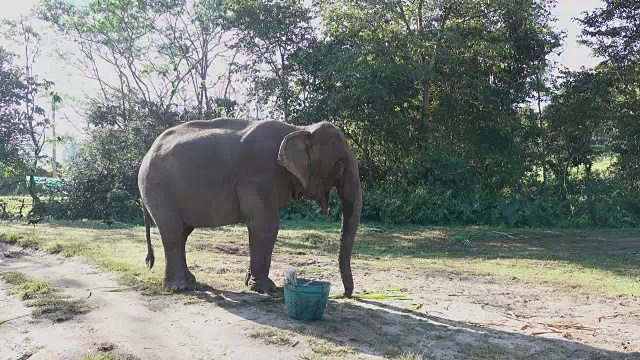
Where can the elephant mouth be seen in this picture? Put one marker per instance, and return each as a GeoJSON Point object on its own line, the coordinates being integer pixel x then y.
{"type": "Point", "coordinates": [323, 204]}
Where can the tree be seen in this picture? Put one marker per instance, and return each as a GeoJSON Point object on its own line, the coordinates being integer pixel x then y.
{"type": "Point", "coordinates": [409, 79]}
{"type": "Point", "coordinates": [580, 118]}
{"type": "Point", "coordinates": [12, 90]}
{"type": "Point", "coordinates": [31, 120]}
{"type": "Point", "coordinates": [613, 32]}
{"type": "Point", "coordinates": [203, 27]}
{"type": "Point", "coordinates": [270, 32]}
{"type": "Point", "coordinates": [141, 53]}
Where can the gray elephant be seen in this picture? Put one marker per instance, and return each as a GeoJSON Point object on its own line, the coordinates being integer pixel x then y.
{"type": "Point", "coordinates": [226, 171]}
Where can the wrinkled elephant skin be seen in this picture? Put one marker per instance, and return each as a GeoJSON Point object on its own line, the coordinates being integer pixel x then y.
{"type": "Point", "coordinates": [226, 171]}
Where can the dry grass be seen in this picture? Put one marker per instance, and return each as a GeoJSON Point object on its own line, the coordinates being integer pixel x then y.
{"type": "Point", "coordinates": [320, 349]}
{"type": "Point", "coordinates": [46, 301]}
{"type": "Point", "coordinates": [273, 336]}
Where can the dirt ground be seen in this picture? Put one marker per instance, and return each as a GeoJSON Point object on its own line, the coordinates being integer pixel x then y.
{"type": "Point", "coordinates": [161, 327]}
{"type": "Point", "coordinates": [449, 315]}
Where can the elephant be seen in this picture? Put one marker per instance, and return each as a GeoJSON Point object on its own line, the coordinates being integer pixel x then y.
{"type": "Point", "coordinates": [209, 173]}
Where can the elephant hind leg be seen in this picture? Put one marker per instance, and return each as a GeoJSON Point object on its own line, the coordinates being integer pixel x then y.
{"type": "Point", "coordinates": [174, 234]}
{"type": "Point", "coordinates": [186, 231]}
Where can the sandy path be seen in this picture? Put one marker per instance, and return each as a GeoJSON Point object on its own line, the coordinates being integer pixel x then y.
{"type": "Point", "coordinates": [157, 327]}
{"type": "Point", "coordinates": [456, 311]}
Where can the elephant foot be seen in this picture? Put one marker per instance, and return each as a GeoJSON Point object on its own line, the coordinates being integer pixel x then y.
{"type": "Point", "coordinates": [178, 285]}
{"type": "Point", "coordinates": [191, 279]}
{"type": "Point", "coordinates": [262, 286]}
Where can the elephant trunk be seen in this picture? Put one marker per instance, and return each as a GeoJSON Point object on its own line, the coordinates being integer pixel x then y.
{"type": "Point", "coordinates": [351, 196]}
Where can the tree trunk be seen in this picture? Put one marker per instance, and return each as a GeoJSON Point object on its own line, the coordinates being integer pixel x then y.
{"type": "Point", "coordinates": [21, 207]}
{"type": "Point", "coordinates": [284, 88]}
{"type": "Point", "coordinates": [203, 82]}
{"type": "Point", "coordinates": [54, 141]}
{"type": "Point", "coordinates": [426, 84]}
{"type": "Point", "coordinates": [542, 135]}
{"type": "Point", "coordinates": [592, 205]}
{"type": "Point", "coordinates": [36, 208]}
{"type": "Point", "coordinates": [426, 103]}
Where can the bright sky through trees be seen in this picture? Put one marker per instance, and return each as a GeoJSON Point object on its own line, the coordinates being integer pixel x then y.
{"type": "Point", "coordinates": [574, 55]}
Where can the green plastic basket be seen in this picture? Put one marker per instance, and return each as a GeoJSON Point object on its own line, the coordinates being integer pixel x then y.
{"type": "Point", "coordinates": [307, 299]}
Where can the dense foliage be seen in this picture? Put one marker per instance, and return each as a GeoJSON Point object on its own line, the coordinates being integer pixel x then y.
{"type": "Point", "coordinates": [452, 107]}
{"type": "Point", "coordinates": [22, 120]}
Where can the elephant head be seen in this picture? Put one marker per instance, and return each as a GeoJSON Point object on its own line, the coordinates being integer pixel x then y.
{"type": "Point", "coordinates": [320, 160]}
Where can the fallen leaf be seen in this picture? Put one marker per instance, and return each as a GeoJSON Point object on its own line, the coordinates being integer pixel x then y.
{"type": "Point", "coordinates": [545, 332]}
{"type": "Point", "coordinates": [522, 316]}
{"type": "Point", "coordinates": [609, 316]}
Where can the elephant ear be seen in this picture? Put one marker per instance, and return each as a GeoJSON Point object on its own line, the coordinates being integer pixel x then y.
{"type": "Point", "coordinates": [338, 168]}
{"type": "Point", "coordinates": [294, 155]}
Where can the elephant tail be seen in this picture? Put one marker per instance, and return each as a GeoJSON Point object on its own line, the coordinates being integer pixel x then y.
{"type": "Point", "coordinates": [147, 225]}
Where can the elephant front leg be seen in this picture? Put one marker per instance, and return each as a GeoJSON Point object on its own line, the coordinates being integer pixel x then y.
{"type": "Point", "coordinates": [261, 241]}
{"type": "Point", "coordinates": [259, 205]}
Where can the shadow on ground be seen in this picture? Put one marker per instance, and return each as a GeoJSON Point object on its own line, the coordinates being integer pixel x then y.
{"type": "Point", "coordinates": [377, 328]}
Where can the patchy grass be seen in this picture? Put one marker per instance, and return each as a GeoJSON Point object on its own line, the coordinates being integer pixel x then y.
{"type": "Point", "coordinates": [386, 264]}
{"type": "Point", "coordinates": [46, 301]}
{"type": "Point", "coordinates": [14, 278]}
{"type": "Point", "coordinates": [106, 352]}
{"type": "Point", "coordinates": [13, 204]}
{"type": "Point", "coordinates": [9, 238]}
{"type": "Point", "coordinates": [111, 356]}
{"type": "Point", "coordinates": [486, 349]}
{"type": "Point", "coordinates": [409, 356]}
{"type": "Point", "coordinates": [106, 346]}
{"type": "Point", "coordinates": [119, 252]}
{"type": "Point", "coordinates": [601, 262]}
{"type": "Point", "coordinates": [320, 350]}
{"type": "Point", "coordinates": [311, 271]}
{"type": "Point", "coordinates": [273, 336]}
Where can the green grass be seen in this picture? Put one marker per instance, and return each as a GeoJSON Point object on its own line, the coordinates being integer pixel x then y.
{"type": "Point", "coordinates": [311, 271]}
{"type": "Point", "coordinates": [599, 261]}
{"type": "Point", "coordinates": [9, 238]}
{"type": "Point", "coordinates": [46, 301]}
{"type": "Point", "coordinates": [602, 166]}
{"type": "Point", "coordinates": [13, 204]}
{"type": "Point", "coordinates": [372, 296]}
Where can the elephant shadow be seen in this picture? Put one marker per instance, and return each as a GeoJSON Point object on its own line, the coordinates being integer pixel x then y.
{"type": "Point", "coordinates": [377, 328]}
